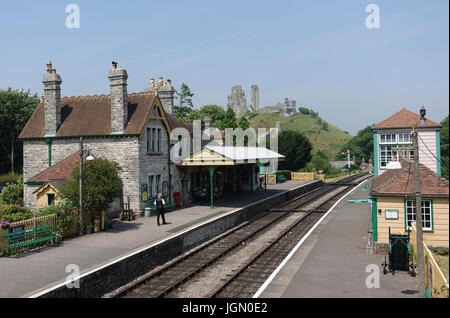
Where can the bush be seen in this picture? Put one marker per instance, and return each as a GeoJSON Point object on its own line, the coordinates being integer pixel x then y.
{"type": "Point", "coordinates": [14, 213]}
{"type": "Point", "coordinates": [13, 193]}
{"type": "Point", "coordinates": [10, 178]}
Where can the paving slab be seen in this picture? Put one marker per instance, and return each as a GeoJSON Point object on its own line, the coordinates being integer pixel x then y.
{"type": "Point", "coordinates": [37, 270]}
{"type": "Point", "coordinates": [333, 260]}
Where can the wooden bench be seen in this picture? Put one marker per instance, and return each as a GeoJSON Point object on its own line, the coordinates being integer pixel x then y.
{"type": "Point", "coordinates": [28, 237]}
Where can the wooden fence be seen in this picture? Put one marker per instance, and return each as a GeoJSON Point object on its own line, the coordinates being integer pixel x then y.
{"type": "Point", "coordinates": [307, 176]}
{"type": "Point", "coordinates": [436, 282]}
{"type": "Point", "coordinates": [47, 220]}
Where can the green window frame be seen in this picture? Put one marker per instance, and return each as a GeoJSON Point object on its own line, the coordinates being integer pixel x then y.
{"type": "Point", "coordinates": [409, 204]}
{"type": "Point", "coordinates": [51, 201]}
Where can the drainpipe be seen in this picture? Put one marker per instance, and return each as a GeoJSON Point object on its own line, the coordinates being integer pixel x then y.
{"type": "Point", "coordinates": [49, 142]}
{"type": "Point", "coordinates": [168, 164]}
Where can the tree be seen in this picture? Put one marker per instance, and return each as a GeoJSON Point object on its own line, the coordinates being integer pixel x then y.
{"type": "Point", "coordinates": [229, 121]}
{"type": "Point", "coordinates": [16, 108]}
{"type": "Point", "coordinates": [215, 112]}
{"type": "Point", "coordinates": [101, 186]}
{"type": "Point", "coordinates": [319, 161]}
{"type": "Point", "coordinates": [361, 145]}
{"type": "Point", "coordinates": [185, 106]}
{"type": "Point", "coordinates": [243, 123]}
{"type": "Point", "coordinates": [296, 148]}
{"type": "Point", "coordinates": [13, 193]}
{"type": "Point", "coordinates": [444, 148]}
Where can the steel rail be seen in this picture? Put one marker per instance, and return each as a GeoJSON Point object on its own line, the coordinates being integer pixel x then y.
{"type": "Point", "coordinates": [273, 243]}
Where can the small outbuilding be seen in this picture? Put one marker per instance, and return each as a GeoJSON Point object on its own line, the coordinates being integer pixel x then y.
{"type": "Point", "coordinates": [394, 205]}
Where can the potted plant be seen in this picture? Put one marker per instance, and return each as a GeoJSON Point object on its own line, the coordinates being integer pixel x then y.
{"type": "Point", "coordinates": [5, 225]}
{"type": "Point", "coordinates": [88, 229]}
{"type": "Point", "coordinates": [57, 239]}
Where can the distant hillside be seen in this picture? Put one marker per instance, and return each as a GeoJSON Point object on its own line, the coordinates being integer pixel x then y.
{"type": "Point", "coordinates": [322, 135]}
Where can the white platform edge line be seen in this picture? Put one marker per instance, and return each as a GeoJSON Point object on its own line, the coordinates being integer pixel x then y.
{"type": "Point", "coordinates": [45, 291]}
{"type": "Point", "coordinates": [283, 263]}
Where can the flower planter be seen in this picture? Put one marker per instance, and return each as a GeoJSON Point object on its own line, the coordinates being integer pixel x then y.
{"type": "Point", "coordinates": [97, 225]}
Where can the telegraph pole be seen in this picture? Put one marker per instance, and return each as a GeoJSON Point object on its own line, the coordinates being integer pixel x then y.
{"type": "Point", "coordinates": [420, 259]}
{"type": "Point", "coordinates": [80, 227]}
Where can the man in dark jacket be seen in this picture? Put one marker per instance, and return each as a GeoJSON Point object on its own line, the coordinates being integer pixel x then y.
{"type": "Point", "coordinates": [159, 203]}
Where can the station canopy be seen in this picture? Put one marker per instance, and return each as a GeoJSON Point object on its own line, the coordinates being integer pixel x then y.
{"type": "Point", "coordinates": [218, 155]}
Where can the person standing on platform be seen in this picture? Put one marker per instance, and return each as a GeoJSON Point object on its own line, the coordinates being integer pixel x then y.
{"type": "Point", "coordinates": [159, 203]}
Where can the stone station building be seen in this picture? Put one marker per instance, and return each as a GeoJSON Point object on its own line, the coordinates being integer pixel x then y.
{"type": "Point", "coordinates": [131, 129]}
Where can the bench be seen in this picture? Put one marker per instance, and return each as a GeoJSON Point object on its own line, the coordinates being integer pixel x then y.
{"type": "Point", "coordinates": [280, 178]}
{"type": "Point", "coordinates": [29, 237]}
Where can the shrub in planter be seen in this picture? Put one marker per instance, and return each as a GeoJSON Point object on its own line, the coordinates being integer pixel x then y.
{"type": "Point", "coordinates": [5, 225]}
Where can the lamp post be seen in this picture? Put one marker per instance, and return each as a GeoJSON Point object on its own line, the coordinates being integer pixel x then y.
{"type": "Point", "coordinates": [80, 215]}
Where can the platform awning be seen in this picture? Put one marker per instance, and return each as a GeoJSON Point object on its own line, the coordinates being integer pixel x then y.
{"type": "Point", "coordinates": [228, 156]}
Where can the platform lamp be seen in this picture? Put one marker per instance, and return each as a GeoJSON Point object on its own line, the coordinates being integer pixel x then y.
{"type": "Point", "coordinates": [90, 157]}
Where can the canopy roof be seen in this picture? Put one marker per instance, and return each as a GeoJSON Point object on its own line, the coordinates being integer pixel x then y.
{"type": "Point", "coordinates": [228, 155]}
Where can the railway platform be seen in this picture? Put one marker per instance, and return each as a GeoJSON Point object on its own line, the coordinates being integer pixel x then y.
{"type": "Point", "coordinates": [332, 261]}
{"type": "Point", "coordinates": [35, 272]}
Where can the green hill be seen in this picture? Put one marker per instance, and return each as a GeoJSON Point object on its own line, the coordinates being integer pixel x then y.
{"type": "Point", "coordinates": [322, 135]}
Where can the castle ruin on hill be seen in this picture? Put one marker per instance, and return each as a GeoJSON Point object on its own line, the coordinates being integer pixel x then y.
{"type": "Point", "coordinates": [238, 103]}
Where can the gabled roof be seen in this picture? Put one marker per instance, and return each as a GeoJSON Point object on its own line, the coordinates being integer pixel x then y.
{"type": "Point", "coordinates": [91, 116]}
{"type": "Point", "coordinates": [211, 155]}
{"type": "Point", "coordinates": [404, 119]}
{"type": "Point", "coordinates": [400, 182]}
{"type": "Point", "coordinates": [59, 171]}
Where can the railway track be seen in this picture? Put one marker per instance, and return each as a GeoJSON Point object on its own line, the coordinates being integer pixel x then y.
{"type": "Point", "coordinates": [166, 281]}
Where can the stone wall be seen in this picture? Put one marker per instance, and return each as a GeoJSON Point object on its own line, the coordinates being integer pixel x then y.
{"type": "Point", "coordinates": [124, 151]}
{"type": "Point", "coordinates": [152, 164]}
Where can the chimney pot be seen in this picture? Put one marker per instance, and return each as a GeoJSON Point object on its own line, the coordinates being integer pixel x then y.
{"type": "Point", "coordinates": [49, 67]}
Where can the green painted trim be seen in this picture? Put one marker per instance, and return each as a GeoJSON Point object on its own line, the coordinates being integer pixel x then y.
{"type": "Point", "coordinates": [374, 219]}
{"type": "Point", "coordinates": [211, 170]}
{"type": "Point", "coordinates": [76, 137]}
{"type": "Point", "coordinates": [168, 169]}
{"type": "Point", "coordinates": [391, 128]}
{"type": "Point", "coordinates": [54, 198]}
{"type": "Point", "coordinates": [34, 183]}
{"type": "Point", "coordinates": [438, 152]}
{"type": "Point", "coordinates": [375, 154]}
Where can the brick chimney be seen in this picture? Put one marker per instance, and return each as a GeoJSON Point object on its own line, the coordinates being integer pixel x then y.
{"type": "Point", "coordinates": [119, 98]}
{"type": "Point", "coordinates": [52, 97]}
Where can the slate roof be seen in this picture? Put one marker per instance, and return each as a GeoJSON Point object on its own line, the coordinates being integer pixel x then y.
{"type": "Point", "coordinates": [59, 171]}
{"type": "Point", "coordinates": [90, 115]}
{"type": "Point", "coordinates": [400, 182]}
{"type": "Point", "coordinates": [404, 118]}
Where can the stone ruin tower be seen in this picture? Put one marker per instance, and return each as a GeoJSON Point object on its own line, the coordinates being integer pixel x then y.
{"type": "Point", "coordinates": [255, 97]}
{"type": "Point", "coordinates": [237, 100]}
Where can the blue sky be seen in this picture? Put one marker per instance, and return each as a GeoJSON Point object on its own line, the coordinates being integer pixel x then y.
{"type": "Point", "coordinates": [319, 53]}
